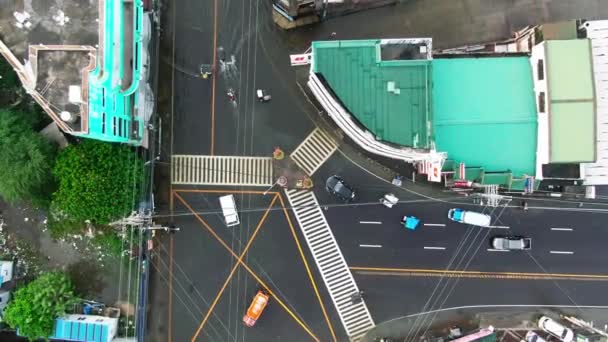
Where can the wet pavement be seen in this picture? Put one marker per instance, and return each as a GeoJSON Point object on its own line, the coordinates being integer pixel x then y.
{"type": "Point", "coordinates": [190, 267]}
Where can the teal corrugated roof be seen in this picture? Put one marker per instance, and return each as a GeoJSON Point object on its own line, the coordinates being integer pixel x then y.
{"type": "Point", "coordinates": [363, 83]}
{"type": "Point", "coordinates": [485, 112]}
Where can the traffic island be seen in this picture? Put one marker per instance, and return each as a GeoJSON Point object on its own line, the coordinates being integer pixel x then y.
{"type": "Point", "coordinates": [287, 173]}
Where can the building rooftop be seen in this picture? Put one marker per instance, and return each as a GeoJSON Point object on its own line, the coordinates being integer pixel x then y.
{"type": "Point", "coordinates": [571, 100]}
{"type": "Point", "coordinates": [485, 112]}
{"type": "Point", "coordinates": [386, 87]}
{"type": "Point", "coordinates": [52, 22]}
{"type": "Point", "coordinates": [84, 62]}
{"type": "Point", "coordinates": [54, 41]}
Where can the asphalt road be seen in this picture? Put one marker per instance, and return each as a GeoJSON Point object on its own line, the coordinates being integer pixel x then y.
{"type": "Point", "coordinates": [562, 242]}
{"type": "Point", "coordinates": [192, 266]}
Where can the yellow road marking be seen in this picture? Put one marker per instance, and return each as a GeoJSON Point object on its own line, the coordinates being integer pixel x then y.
{"type": "Point", "coordinates": [314, 285]}
{"type": "Point", "coordinates": [240, 262]}
{"type": "Point", "coordinates": [240, 258]}
{"type": "Point", "coordinates": [421, 272]}
{"type": "Point", "coordinates": [171, 288]}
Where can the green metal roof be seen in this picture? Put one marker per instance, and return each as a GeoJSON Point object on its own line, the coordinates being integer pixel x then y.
{"type": "Point", "coordinates": [485, 112]}
{"type": "Point", "coordinates": [571, 100]}
{"type": "Point", "coordinates": [364, 83]}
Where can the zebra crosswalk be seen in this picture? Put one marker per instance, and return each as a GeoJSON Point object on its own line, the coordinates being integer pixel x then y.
{"type": "Point", "coordinates": [314, 151]}
{"type": "Point", "coordinates": [336, 275]}
{"type": "Point", "coordinates": [221, 170]}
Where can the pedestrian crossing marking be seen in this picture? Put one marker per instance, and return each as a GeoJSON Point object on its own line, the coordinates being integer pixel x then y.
{"type": "Point", "coordinates": [221, 170]}
{"type": "Point", "coordinates": [314, 151]}
{"type": "Point", "coordinates": [336, 275]}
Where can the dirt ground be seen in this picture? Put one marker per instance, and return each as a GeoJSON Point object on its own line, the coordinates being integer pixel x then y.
{"type": "Point", "coordinates": [27, 239]}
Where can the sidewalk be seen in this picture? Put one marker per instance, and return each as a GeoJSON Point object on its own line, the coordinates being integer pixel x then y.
{"type": "Point", "coordinates": [468, 319]}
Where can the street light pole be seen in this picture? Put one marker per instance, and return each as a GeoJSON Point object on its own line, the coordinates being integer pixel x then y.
{"type": "Point", "coordinates": [165, 228]}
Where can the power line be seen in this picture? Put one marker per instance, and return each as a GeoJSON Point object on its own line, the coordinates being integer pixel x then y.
{"type": "Point", "coordinates": [420, 321]}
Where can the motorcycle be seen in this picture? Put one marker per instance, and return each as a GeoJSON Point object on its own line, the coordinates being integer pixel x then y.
{"type": "Point", "coordinates": [231, 95]}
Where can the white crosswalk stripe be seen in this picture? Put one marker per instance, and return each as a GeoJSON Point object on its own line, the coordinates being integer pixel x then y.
{"type": "Point", "coordinates": [221, 170]}
{"type": "Point", "coordinates": [340, 283]}
{"type": "Point", "coordinates": [314, 151]}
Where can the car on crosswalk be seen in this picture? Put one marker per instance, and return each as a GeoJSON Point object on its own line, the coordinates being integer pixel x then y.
{"type": "Point", "coordinates": [336, 186]}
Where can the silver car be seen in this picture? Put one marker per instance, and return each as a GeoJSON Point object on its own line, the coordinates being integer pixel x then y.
{"type": "Point", "coordinates": [508, 243]}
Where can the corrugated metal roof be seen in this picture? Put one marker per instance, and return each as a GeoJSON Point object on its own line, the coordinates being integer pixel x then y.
{"type": "Point", "coordinates": [80, 330]}
{"type": "Point", "coordinates": [571, 100]}
{"type": "Point", "coordinates": [597, 173]}
{"type": "Point", "coordinates": [390, 98]}
{"type": "Point", "coordinates": [485, 112]}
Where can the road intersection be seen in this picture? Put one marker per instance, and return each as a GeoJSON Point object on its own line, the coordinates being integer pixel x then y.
{"type": "Point", "coordinates": [207, 274]}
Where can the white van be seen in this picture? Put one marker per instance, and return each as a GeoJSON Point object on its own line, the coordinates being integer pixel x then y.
{"type": "Point", "coordinates": [469, 217]}
{"type": "Point", "coordinates": [556, 329]}
{"type": "Point", "coordinates": [229, 210]}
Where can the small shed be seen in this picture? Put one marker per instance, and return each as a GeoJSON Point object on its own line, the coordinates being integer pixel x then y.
{"type": "Point", "coordinates": [85, 328]}
{"type": "Point", "coordinates": [6, 271]}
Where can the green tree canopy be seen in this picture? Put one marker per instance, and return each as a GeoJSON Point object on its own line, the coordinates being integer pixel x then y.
{"type": "Point", "coordinates": [97, 181]}
{"type": "Point", "coordinates": [35, 306]}
{"type": "Point", "coordinates": [26, 159]}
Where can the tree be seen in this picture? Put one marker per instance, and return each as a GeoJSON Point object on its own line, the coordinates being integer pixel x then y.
{"type": "Point", "coordinates": [26, 159]}
{"type": "Point", "coordinates": [35, 306]}
{"type": "Point", "coordinates": [97, 181]}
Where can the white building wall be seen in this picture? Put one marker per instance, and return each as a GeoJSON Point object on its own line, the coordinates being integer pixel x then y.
{"type": "Point", "coordinates": [540, 86]}
{"type": "Point", "coordinates": [597, 173]}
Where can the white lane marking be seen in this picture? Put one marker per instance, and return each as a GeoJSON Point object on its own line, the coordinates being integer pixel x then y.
{"type": "Point", "coordinates": [439, 248]}
{"type": "Point", "coordinates": [499, 227]}
{"type": "Point", "coordinates": [563, 229]}
{"type": "Point", "coordinates": [561, 252]}
{"type": "Point", "coordinates": [370, 222]}
{"type": "Point", "coordinates": [434, 224]}
{"type": "Point", "coordinates": [497, 250]}
{"type": "Point", "coordinates": [371, 246]}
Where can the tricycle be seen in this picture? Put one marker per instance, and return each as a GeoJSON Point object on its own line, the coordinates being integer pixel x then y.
{"type": "Point", "coordinates": [389, 200]}
{"type": "Point", "coordinates": [410, 222]}
{"type": "Point", "coordinates": [263, 95]}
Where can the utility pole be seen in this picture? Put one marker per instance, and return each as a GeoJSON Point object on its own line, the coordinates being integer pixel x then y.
{"type": "Point", "coordinates": [493, 198]}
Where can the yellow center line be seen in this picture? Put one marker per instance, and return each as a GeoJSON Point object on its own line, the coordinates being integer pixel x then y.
{"type": "Point", "coordinates": [170, 288]}
{"type": "Point", "coordinates": [477, 274]}
{"type": "Point", "coordinates": [236, 265]}
{"type": "Point", "coordinates": [314, 285]}
{"type": "Point", "coordinates": [266, 287]}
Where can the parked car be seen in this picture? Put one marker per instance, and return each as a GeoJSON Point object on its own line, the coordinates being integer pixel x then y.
{"type": "Point", "coordinates": [256, 308]}
{"type": "Point", "coordinates": [531, 336]}
{"type": "Point", "coordinates": [511, 243]}
{"type": "Point", "coordinates": [469, 217]}
{"type": "Point", "coordinates": [556, 329]}
{"type": "Point", "coordinates": [336, 186]}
